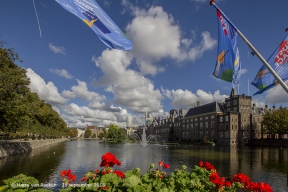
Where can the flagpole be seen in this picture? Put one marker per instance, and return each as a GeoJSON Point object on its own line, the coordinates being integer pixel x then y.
{"type": "Point", "coordinates": [285, 87]}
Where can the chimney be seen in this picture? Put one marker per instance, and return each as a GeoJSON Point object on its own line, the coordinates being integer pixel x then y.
{"type": "Point", "coordinates": [273, 107]}
{"type": "Point", "coordinates": [266, 106]}
{"type": "Point", "coordinates": [198, 103]}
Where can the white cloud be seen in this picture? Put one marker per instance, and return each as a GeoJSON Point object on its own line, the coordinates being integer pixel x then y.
{"type": "Point", "coordinates": [62, 73]}
{"type": "Point", "coordinates": [156, 36]}
{"type": "Point", "coordinates": [56, 49]}
{"type": "Point", "coordinates": [81, 91]}
{"type": "Point", "coordinates": [185, 98]}
{"type": "Point", "coordinates": [243, 71]}
{"type": "Point", "coordinates": [130, 89]}
{"type": "Point", "coordinates": [47, 92]}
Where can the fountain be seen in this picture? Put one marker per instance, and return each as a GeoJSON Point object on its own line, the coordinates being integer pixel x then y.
{"type": "Point", "coordinates": [143, 140]}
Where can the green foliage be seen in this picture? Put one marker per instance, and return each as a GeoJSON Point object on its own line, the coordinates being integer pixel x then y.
{"type": "Point", "coordinates": [87, 133]}
{"type": "Point", "coordinates": [72, 132]}
{"type": "Point", "coordinates": [20, 109]}
{"type": "Point", "coordinates": [115, 133]}
{"type": "Point", "coordinates": [276, 122]}
{"type": "Point", "coordinates": [198, 179]}
{"type": "Point", "coordinates": [103, 135]}
{"type": "Point", "coordinates": [22, 183]}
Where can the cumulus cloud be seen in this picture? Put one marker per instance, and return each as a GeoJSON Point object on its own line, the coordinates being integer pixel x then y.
{"type": "Point", "coordinates": [47, 92]}
{"type": "Point", "coordinates": [161, 38]}
{"type": "Point", "coordinates": [81, 91]}
{"type": "Point", "coordinates": [56, 49]}
{"type": "Point", "coordinates": [185, 98]}
{"type": "Point", "coordinates": [130, 89]}
{"type": "Point", "coordinates": [62, 73]}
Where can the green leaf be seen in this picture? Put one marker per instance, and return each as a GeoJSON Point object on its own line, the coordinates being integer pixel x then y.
{"type": "Point", "coordinates": [131, 181]}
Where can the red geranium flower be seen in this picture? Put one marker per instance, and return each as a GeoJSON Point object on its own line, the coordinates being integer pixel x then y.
{"type": "Point", "coordinates": [240, 177]}
{"type": "Point", "coordinates": [160, 163]}
{"type": "Point", "coordinates": [119, 173]}
{"type": "Point", "coordinates": [109, 160]}
{"type": "Point", "coordinates": [166, 166]}
{"type": "Point", "coordinates": [208, 166]}
{"type": "Point", "coordinates": [69, 175]}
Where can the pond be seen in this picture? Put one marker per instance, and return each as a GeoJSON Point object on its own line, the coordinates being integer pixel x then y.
{"type": "Point", "coordinates": [269, 165]}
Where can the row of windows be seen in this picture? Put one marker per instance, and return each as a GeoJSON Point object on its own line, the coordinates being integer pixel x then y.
{"type": "Point", "coordinates": [226, 127]}
{"type": "Point", "coordinates": [198, 134]}
{"type": "Point", "coordinates": [196, 119]}
{"type": "Point", "coordinates": [227, 118]}
{"type": "Point", "coordinates": [235, 102]}
{"type": "Point", "coordinates": [201, 125]}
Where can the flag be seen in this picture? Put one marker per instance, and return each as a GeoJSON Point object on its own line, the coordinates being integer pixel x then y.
{"type": "Point", "coordinates": [93, 15]}
{"type": "Point", "coordinates": [278, 61]}
{"type": "Point", "coordinates": [228, 66]}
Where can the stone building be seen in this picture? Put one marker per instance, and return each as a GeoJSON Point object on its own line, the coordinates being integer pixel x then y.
{"type": "Point", "coordinates": [232, 122]}
{"type": "Point", "coordinates": [95, 130]}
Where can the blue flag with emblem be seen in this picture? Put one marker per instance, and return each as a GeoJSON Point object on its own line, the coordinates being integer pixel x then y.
{"type": "Point", "coordinates": [264, 80]}
{"type": "Point", "coordinates": [93, 15]}
{"type": "Point", "coordinates": [228, 66]}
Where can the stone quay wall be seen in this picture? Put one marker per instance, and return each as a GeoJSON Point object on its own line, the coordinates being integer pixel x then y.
{"type": "Point", "coordinates": [15, 147]}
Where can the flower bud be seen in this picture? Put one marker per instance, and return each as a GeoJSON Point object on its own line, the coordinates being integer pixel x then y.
{"type": "Point", "coordinates": [184, 167]}
{"type": "Point", "coordinates": [151, 165]}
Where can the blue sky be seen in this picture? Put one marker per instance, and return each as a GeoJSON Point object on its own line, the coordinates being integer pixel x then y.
{"type": "Point", "coordinates": [170, 66]}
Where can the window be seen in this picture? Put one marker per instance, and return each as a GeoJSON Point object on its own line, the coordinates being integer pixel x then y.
{"type": "Point", "coordinates": [235, 109]}
{"type": "Point", "coordinates": [221, 134]}
{"type": "Point", "coordinates": [226, 134]}
{"type": "Point", "coordinates": [212, 116]}
{"type": "Point", "coordinates": [196, 119]}
{"type": "Point", "coordinates": [201, 125]}
{"type": "Point", "coordinates": [226, 127]}
{"type": "Point", "coordinates": [206, 117]}
{"type": "Point", "coordinates": [212, 134]}
{"type": "Point", "coordinates": [226, 118]}
{"type": "Point", "coordinates": [235, 102]}
{"type": "Point", "coordinates": [221, 118]}
{"type": "Point", "coordinates": [228, 103]}
{"type": "Point", "coordinates": [206, 125]}
{"type": "Point", "coordinates": [201, 118]}
{"type": "Point", "coordinates": [201, 134]}
{"type": "Point", "coordinates": [212, 124]}
{"type": "Point", "coordinates": [191, 126]}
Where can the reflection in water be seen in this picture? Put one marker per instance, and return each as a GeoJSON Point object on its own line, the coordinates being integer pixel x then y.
{"type": "Point", "coordinates": [260, 164]}
{"type": "Point", "coordinates": [39, 163]}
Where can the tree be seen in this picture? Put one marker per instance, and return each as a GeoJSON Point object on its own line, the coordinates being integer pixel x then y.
{"type": "Point", "coordinates": [87, 133]}
{"type": "Point", "coordinates": [22, 111]}
{"type": "Point", "coordinates": [276, 122]}
{"type": "Point", "coordinates": [116, 133]}
{"type": "Point", "coordinates": [103, 135]}
{"type": "Point", "coordinates": [72, 132]}
{"type": "Point", "coordinates": [13, 92]}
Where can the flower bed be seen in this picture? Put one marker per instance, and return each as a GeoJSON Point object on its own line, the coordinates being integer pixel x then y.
{"type": "Point", "coordinates": [202, 178]}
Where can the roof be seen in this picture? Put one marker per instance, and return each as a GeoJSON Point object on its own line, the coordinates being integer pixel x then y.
{"type": "Point", "coordinates": [213, 107]}
{"type": "Point", "coordinates": [91, 127]}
